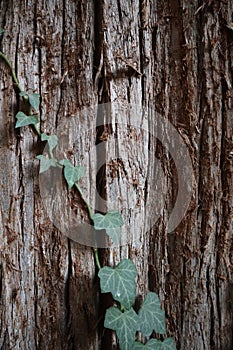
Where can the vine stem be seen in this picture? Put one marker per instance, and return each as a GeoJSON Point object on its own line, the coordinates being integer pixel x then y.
{"type": "Point", "coordinates": [4, 57]}
{"type": "Point", "coordinates": [90, 214]}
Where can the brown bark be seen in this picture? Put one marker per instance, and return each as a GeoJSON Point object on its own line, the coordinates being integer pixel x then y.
{"type": "Point", "coordinates": [172, 56]}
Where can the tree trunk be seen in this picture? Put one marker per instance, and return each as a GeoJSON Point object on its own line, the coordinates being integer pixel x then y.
{"type": "Point", "coordinates": [170, 60]}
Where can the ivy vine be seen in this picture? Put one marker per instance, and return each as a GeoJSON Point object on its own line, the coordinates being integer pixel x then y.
{"type": "Point", "coordinates": [120, 280]}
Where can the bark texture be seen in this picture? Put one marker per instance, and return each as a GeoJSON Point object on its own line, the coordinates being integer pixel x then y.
{"type": "Point", "coordinates": [174, 57]}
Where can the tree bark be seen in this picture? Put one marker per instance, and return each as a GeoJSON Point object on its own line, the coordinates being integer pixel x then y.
{"type": "Point", "coordinates": [166, 58]}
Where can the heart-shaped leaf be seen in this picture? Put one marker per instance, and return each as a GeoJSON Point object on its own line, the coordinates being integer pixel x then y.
{"type": "Point", "coordinates": [34, 100]}
{"type": "Point", "coordinates": [125, 325]}
{"type": "Point", "coordinates": [71, 173]}
{"type": "Point", "coordinates": [151, 316]}
{"type": "Point", "coordinates": [46, 163]}
{"type": "Point", "coordinates": [120, 281]}
{"type": "Point", "coordinates": [112, 219]}
{"type": "Point", "coordinates": [52, 140]}
{"type": "Point", "coordinates": [23, 120]}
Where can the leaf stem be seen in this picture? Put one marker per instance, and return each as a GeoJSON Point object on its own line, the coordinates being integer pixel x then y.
{"type": "Point", "coordinates": [37, 130]}
{"type": "Point", "coordinates": [97, 261]}
{"type": "Point", "coordinates": [4, 57]}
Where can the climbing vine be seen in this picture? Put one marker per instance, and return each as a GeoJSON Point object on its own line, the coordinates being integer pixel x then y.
{"type": "Point", "coordinates": [120, 281]}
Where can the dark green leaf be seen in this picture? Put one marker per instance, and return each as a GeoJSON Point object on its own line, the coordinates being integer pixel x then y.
{"type": "Point", "coordinates": [46, 163]}
{"type": "Point", "coordinates": [120, 281]}
{"type": "Point", "coordinates": [1, 31]}
{"type": "Point", "coordinates": [151, 316]}
{"type": "Point", "coordinates": [125, 325]}
{"type": "Point", "coordinates": [23, 119]}
{"type": "Point", "coordinates": [152, 344]}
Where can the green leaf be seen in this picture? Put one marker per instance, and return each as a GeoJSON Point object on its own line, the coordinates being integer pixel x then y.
{"type": "Point", "coordinates": [1, 31]}
{"type": "Point", "coordinates": [114, 234]}
{"type": "Point", "coordinates": [72, 174]}
{"type": "Point", "coordinates": [23, 120]}
{"type": "Point", "coordinates": [154, 344]}
{"type": "Point", "coordinates": [151, 316]}
{"type": "Point", "coordinates": [52, 140]}
{"type": "Point", "coordinates": [22, 93]}
{"type": "Point", "coordinates": [125, 325]}
{"type": "Point", "coordinates": [46, 163]}
{"type": "Point", "coordinates": [112, 219]}
{"type": "Point", "coordinates": [120, 281]}
{"type": "Point", "coordinates": [168, 344]}
{"type": "Point", "coordinates": [34, 100]}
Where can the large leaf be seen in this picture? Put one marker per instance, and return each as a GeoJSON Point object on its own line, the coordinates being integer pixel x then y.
{"type": "Point", "coordinates": [46, 163]}
{"type": "Point", "coordinates": [52, 140]}
{"type": "Point", "coordinates": [125, 325]}
{"type": "Point", "coordinates": [34, 100]}
{"type": "Point", "coordinates": [23, 119]}
{"type": "Point", "coordinates": [151, 316]}
{"type": "Point", "coordinates": [72, 173]}
{"type": "Point", "coordinates": [154, 344]}
{"type": "Point", "coordinates": [120, 281]}
{"type": "Point", "coordinates": [112, 219]}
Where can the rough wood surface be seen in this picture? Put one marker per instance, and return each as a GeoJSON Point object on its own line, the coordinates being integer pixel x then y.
{"type": "Point", "coordinates": [173, 57]}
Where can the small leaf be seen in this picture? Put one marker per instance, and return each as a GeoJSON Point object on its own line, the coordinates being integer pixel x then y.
{"type": "Point", "coordinates": [46, 163]}
{"type": "Point", "coordinates": [22, 93]}
{"type": "Point", "coordinates": [65, 162]}
{"type": "Point", "coordinates": [72, 174]}
{"type": "Point", "coordinates": [52, 140]}
{"type": "Point", "coordinates": [23, 120]}
{"type": "Point", "coordinates": [125, 325]}
{"type": "Point", "coordinates": [1, 31]}
{"type": "Point", "coordinates": [120, 281]}
{"type": "Point", "coordinates": [151, 316]}
{"type": "Point", "coordinates": [34, 100]}
{"type": "Point", "coordinates": [112, 219]}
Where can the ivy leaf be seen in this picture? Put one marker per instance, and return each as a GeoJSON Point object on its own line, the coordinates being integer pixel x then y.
{"type": "Point", "coordinates": [1, 31]}
{"type": "Point", "coordinates": [168, 344]}
{"type": "Point", "coordinates": [120, 281]}
{"type": "Point", "coordinates": [125, 325]}
{"type": "Point", "coordinates": [154, 344]}
{"type": "Point", "coordinates": [114, 234]}
{"type": "Point", "coordinates": [34, 100]}
{"type": "Point", "coordinates": [46, 163]}
{"type": "Point", "coordinates": [151, 316]}
{"type": "Point", "coordinates": [52, 140]}
{"type": "Point", "coordinates": [72, 173]}
{"type": "Point", "coordinates": [22, 93]}
{"type": "Point", "coordinates": [111, 220]}
{"type": "Point", "coordinates": [23, 120]}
